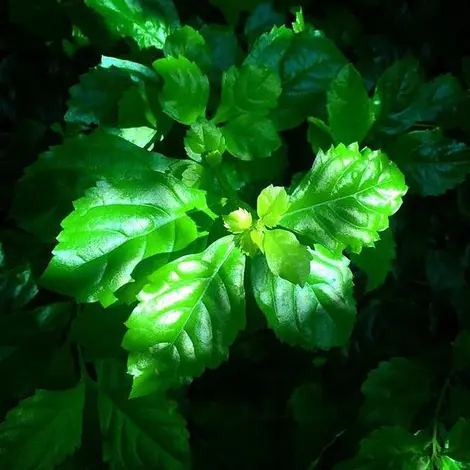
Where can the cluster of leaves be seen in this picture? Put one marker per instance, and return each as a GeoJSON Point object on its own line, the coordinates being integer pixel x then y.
{"type": "Point", "coordinates": [215, 190]}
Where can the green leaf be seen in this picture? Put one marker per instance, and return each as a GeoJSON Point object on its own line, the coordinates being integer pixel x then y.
{"type": "Point", "coordinates": [148, 22]}
{"type": "Point", "coordinates": [188, 316]}
{"type": "Point", "coordinates": [446, 463]}
{"type": "Point", "coordinates": [224, 49]}
{"type": "Point", "coordinates": [394, 392]}
{"type": "Point", "coordinates": [204, 138]}
{"type": "Point", "coordinates": [252, 89]}
{"type": "Point", "coordinates": [319, 135]}
{"type": "Point", "coordinates": [261, 20]}
{"type": "Point", "coordinates": [349, 108]}
{"type": "Point", "coordinates": [319, 315]}
{"type": "Point", "coordinates": [42, 430]}
{"type": "Point", "coordinates": [189, 43]}
{"type": "Point", "coordinates": [113, 228]}
{"type": "Point", "coordinates": [249, 137]}
{"type": "Point", "coordinates": [272, 204]}
{"type": "Point", "coordinates": [346, 198]}
{"type": "Point", "coordinates": [238, 221]}
{"type": "Point", "coordinates": [459, 437]}
{"type": "Point", "coordinates": [145, 432]}
{"type": "Point", "coordinates": [376, 262]}
{"type": "Point", "coordinates": [396, 99]}
{"type": "Point", "coordinates": [186, 90]}
{"type": "Point", "coordinates": [286, 257]}
{"type": "Point", "coordinates": [61, 175]}
{"type": "Point", "coordinates": [393, 448]}
{"type": "Point", "coordinates": [432, 163]}
{"type": "Point", "coordinates": [306, 63]}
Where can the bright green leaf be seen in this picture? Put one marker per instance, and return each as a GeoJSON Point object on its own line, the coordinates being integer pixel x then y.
{"type": "Point", "coordinates": [203, 138]}
{"type": "Point", "coordinates": [189, 314]}
{"type": "Point", "coordinates": [61, 175]}
{"type": "Point", "coordinates": [349, 108]}
{"type": "Point", "coordinates": [249, 137]}
{"type": "Point", "coordinates": [272, 204]}
{"type": "Point", "coordinates": [42, 430]}
{"type": "Point", "coordinates": [346, 198]}
{"type": "Point", "coordinates": [238, 221]}
{"type": "Point", "coordinates": [376, 262]}
{"type": "Point", "coordinates": [286, 257]}
{"type": "Point", "coordinates": [394, 392]}
{"type": "Point", "coordinates": [186, 90]}
{"type": "Point", "coordinates": [432, 163]}
{"type": "Point", "coordinates": [147, 22]}
{"type": "Point", "coordinates": [145, 432]}
{"type": "Point", "coordinates": [113, 228]}
{"type": "Point", "coordinates": [319, 315]}
{"type": "Point", "coordinates": [189, 43]}
{"type": "Point", "coordinates": [252, 89]}
{"type": "Point", "coordinates": [306, 63]}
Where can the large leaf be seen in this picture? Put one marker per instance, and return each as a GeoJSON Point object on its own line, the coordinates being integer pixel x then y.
{"type": "Point", "coordinates": [148, 22]}
{"type": "Point", "coordinates": [42, 430]}
{"type": "Point", "coordinates": [349, 107]}
{"type": "Point", "coordinates": [346, 198]}
{"type": "Point", "coordinates": [394, 392]}
{"type": "Point", "coordinates": [431, 162]}
{"type": "Point", "coordinates": [113, 228]}
{"type": "Point", "coordinates": [62, 174]}
{"type": "Point", "coordinates": [306, 63]}
{"type": "Point", "coordinates": [189, 314]}
{"type": "Point", "coordinates": [145, 432]}
{"type": "Point", "coordinates": [319, 315]}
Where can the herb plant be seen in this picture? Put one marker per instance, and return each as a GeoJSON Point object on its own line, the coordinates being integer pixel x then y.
{"type": "Point", "coordinates": [188, 220]}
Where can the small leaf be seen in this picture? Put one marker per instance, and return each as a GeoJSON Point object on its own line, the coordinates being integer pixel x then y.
{"type": "Point", "coordinates": [149, 22]}
{"type": "Point", "coordinates": [249, 137]}
{"type": "Point", "coordinates": [113, 228]}
{"type": "Point", "coordinates": [186, 90]}
{"type": "Point", "coordinates": [349, 108]}
{"type": "Point", "coordinates": [286, 257]}
{"type": "Point", "coordinates": [346, 198]}
{"type": "Point", "coordinates": [432, 163]}
{"type": "Point", "coordinates": [203, 138]}
{"type": "Point", "coordinates": [319, 315]}
{"type": "Point", "coordinates": [49, 420]}
{"type": "Point", "coordinates": [252, 89]}
{"type": "Point", "coordinates": [394, 392]}
{"type": "Point", "coordinates": [189, 314]}
{"type": "Point", "coordinates": [272, 204]}
{"type": "Point", "coordinates": [145, 432]}
{"type": "Point", "coordinates": [238, 221]}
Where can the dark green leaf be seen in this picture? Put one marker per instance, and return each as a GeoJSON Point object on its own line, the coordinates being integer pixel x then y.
{"type": "Point", "coordinates": [42, 430]}
{"type": "Point", "coordinates": [349, 107]}
{"type": "Point", "coordinates": [394, 392]}
{"type": "Point", "coordinates": [319, 135]}
{"type": "Point", "coordinates": [459, 437]}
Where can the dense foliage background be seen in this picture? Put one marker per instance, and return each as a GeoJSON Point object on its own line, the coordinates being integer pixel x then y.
{"type": "Point", "coordinates": [396, 396]}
